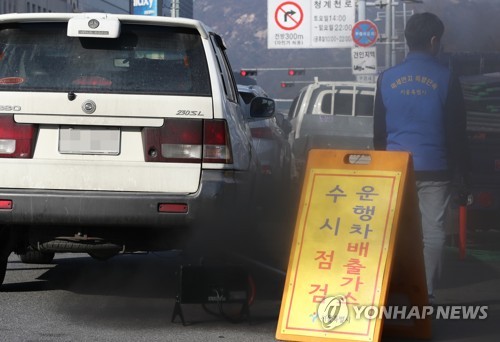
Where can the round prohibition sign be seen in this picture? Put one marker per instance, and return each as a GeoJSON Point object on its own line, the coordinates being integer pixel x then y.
{"type": "Point", "coordinates": [364, 33]}
{"type": "Point", "coordinates": [288, 16]}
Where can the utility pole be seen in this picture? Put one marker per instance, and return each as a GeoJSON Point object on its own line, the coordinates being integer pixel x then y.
{"type": "Point", "coordinates": [388, 33]}
{"type": "Point", "coordinates": [390, 24]}
{"type": "Point", "coordinates": [174, 8]}
{"type": "Point", "coordinates": [388, 4]}
{"type": "Point", "coordinates": [394, 37]}
{"type": "Point", "coordinates": [361, 10]}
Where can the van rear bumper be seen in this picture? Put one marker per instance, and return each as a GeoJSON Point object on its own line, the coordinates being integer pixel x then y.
{"type": "Point", "coordinates": [218, 191]}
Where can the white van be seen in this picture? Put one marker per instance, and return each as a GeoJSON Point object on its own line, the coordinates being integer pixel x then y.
{"type": "Point", "coordinates": [117, 133]}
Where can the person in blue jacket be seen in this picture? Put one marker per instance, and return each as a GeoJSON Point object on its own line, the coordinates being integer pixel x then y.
{"type": "Point", "coordinates": [419, 108]}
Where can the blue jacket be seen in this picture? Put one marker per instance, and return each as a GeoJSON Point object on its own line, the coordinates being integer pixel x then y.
{"type": "Point", "coordinates": [419, 108]}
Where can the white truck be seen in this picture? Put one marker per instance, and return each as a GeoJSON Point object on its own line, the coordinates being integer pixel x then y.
{"type": "Point", "coordinates": [327, 114]}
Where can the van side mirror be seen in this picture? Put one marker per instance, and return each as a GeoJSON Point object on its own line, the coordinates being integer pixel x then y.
{"type": "Point", "coordinates": [262, 107]}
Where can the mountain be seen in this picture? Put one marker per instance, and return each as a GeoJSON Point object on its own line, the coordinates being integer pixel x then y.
{"type": "Point", "coordinates": [243, 25]}
{"type": "Point", "coordinates": [471, 25]}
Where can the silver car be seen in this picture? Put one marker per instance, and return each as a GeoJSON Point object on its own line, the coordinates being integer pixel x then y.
{"type": "Point", "coordinates": [269, 139]}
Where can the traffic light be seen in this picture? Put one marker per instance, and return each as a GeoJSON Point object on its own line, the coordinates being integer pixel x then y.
{"type": "Point", "coordinates": [287, 84]}
{"type": "Point", "coordinates": [248, 72]}
{"type": "Point", "coordinates": [296, 72]}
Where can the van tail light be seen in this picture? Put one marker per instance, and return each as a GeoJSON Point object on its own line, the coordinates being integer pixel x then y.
{"type": "Point", "coordinates": [261, 132]}
{"type": "Point", "coordinates": [188, 141]}
{"type": "Point", "coordinates": [16, 140]}
{"type": "Point", "coordinates": [216, 143]}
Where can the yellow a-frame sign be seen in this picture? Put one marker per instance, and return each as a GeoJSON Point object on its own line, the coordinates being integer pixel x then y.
{"type": "Point", "coordinates": [357, 244]}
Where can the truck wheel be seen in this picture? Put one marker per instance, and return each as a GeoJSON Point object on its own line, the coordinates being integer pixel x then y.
{"type": "Point", "coordinates": [3, 268]}
{"type": "Point", "coordinates": [33, 256]}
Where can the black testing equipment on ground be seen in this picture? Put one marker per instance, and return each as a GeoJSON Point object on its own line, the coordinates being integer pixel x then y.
{"type": "Point", "coordinates": [216, 285]}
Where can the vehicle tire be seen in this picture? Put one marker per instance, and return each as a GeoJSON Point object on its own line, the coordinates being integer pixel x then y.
{"type": "Point", "coordinates": [103, 255]}
{"type": "Point", "coordinates": [3, 269]}
{"type": "Point", "coordinates": [33, 256]}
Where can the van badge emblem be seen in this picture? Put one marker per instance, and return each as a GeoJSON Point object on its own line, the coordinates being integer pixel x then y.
{"type": "Point", "coordinates": [89, 106]}
{"type": "Point", "coordinates": [93, 23]}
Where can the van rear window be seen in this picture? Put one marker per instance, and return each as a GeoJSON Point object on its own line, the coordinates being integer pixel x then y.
{"type": "Point", "coordinates": [143, 60]}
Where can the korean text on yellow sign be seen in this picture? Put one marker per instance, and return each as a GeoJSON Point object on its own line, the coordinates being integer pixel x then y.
{"type": "Point", "coordinates": [340, 249]}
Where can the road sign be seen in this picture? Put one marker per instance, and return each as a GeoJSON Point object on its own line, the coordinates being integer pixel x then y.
{"type": "Point", "coordinates": [288, 15]}
{"type": "Point", "coordinates": [366, 78]}
{"type": "Point", "coordinates": [364, 60]}
{"type": "Point", "coordinates": [350, 250]}
{"type": "Point", "coordinates": [365, 33]}
{"type": "Point", "coordinates": [304, 24]}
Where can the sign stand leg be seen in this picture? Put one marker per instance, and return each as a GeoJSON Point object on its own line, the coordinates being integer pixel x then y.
{"type": "Point", "coordinates": [178, 311]}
